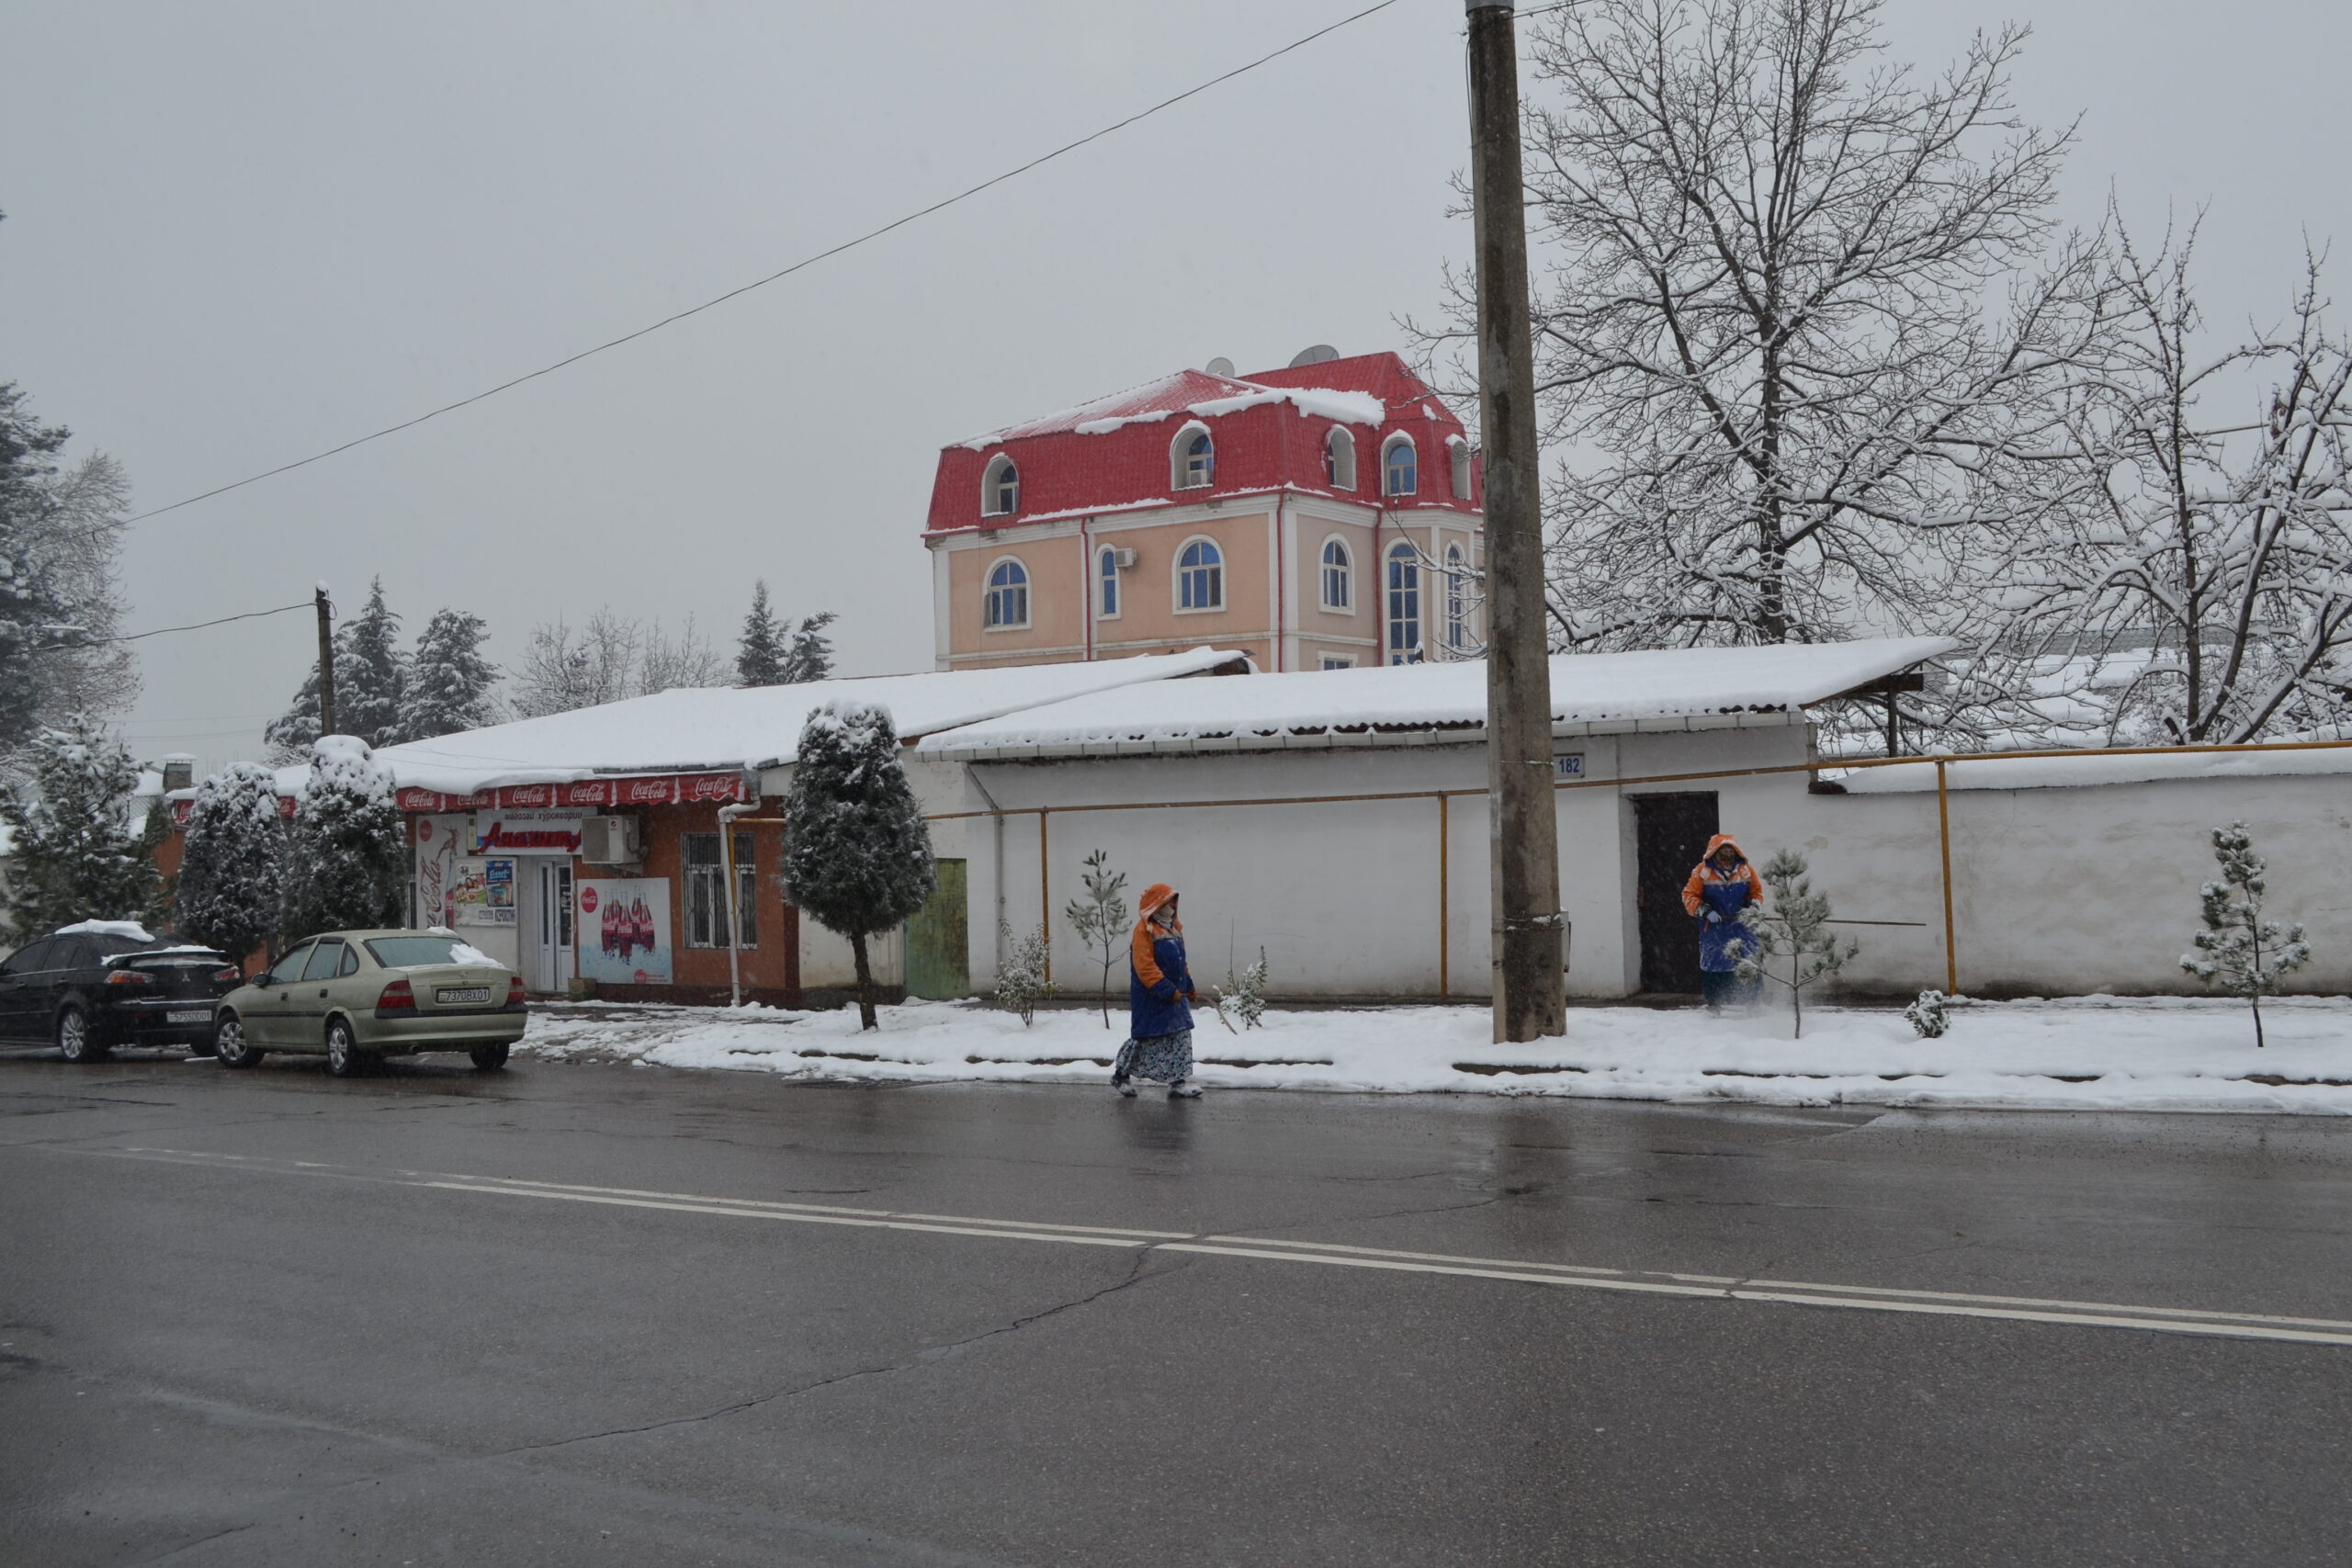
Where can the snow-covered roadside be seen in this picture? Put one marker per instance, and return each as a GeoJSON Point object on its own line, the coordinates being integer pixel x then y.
{"type": "Point", "coordinates": [2086, 1054]}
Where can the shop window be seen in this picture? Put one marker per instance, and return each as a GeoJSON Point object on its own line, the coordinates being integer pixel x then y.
{"type": "Point", "coordinates": [706, 893]}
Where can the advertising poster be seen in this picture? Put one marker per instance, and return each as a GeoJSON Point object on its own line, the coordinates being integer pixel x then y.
{"type": "Point", "coordinates": [481, 891]}
{"type": "Point", "coordinates": [625, 931]}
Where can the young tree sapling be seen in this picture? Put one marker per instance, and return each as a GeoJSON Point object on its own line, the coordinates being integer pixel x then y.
{"type": "Point", "coordinates": [1793, 926]}
{"type": "Point", "coordinates": [2231, 950]}
{"type": "Point", "coordinates": [1101, 918]}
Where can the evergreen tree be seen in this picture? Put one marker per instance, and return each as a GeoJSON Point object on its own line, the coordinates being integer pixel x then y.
{"type": "Point", "coordinates": [2230, 948]}
{"type": "Point", "coordinates": [370, 686]}
{"type": "Point", "coordinates": [232, 862]}
{"type": "Point", "coordinates": [77, 855]}
{"type": "Point", "coordinates": [346, 858]}
{"type": "Point", "coordinates": [30, 597]}
{"type": "Point", "coordinates": [448, 679]}
{"type": "Point", "coordinates": [810, 656]}
{"type": "Point", "coordinates": [858, 856]}
{"type": "Point", "coordinates": [1793, 927]}
{"type": "Point", "coordinates": [759, 656]}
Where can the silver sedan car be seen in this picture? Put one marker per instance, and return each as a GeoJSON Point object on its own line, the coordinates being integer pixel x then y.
{"type": "Point", "coordinates": [358, 996]}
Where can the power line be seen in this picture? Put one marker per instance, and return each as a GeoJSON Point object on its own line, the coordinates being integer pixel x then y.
{"type": "Point", "coordinates": [787, 272]}
{"type": "Point", "coordinates": [86, 641]}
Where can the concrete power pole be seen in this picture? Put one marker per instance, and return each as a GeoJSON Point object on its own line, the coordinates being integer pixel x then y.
{"type": "Point", "coordinates": [326, 662]}
{"type": "Point", "coordinates": [1529, 987]}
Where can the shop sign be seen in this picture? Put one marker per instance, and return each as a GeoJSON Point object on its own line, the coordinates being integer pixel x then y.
{"type": "Point", "coordinates": [658, 789]}
{"type": "Point", "coordinates": [544, 832]}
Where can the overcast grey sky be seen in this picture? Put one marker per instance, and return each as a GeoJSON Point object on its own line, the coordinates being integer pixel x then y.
{"type": "Point", "coordinates": [240, 233]}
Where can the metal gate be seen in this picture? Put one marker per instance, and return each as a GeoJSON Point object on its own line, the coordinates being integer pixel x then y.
{"type": "Point", "coordinates": [939, 962]}
{"type": "Point", "coordinates": [1671, 834]}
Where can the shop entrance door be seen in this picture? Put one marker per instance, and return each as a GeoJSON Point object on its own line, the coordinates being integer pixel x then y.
{"type": "Point", "coordinates": [1671, 834]}
{"type": "Point", "coordinates": [547, 941]}
{"type": "Point", "coordinates": [939, 962]}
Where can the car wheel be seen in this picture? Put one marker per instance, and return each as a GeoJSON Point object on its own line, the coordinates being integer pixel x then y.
{"type": "Point", "coordinates": [75, 1041]}
{"type": "Point", "coordinates": [489, 1058]}
{"type": "Point", "coordinates": [344, 1059]}
{"type": "Point", "coordinates": [230, 1045]}
{"type": "Point", "coordinates": [200, 1048]}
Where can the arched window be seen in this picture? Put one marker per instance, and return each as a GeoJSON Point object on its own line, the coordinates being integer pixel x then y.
{"type": "Point", "coordinates": [1397, 468]}
{"type": "Point", "coordinates": [1200, 576]}
{"type": "Point", "coordinates": [1459, 450]}
{"type": "Point", "coordinates": [1106, 577]}
{"type": "Point", "coordinates": [1338, 576]}
{"type": "Point", "coordinates": [1006, 603]}
{"type": "Point", "coordinates": [1000, 489]}
{"type": "Point", "coordinates": [1192, 458]}
{"type": "Point", "coordinates": [1457, 602]}
{"type": "Point", "coordinates": [1339, 459]}
{"type": "Point", "coordinates": [1404, 604]}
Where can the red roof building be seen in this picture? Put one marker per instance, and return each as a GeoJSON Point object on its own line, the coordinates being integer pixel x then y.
{"type": "Point", "coordinates": [1319, 516]}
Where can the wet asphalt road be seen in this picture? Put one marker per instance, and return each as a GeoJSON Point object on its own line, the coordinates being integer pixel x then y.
{"type": "Point", "coordinates": [339, 1348]}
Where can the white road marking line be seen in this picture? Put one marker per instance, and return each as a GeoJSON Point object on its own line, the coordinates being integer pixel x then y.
{"type": "Point", "coordinates": [1865, 1298]}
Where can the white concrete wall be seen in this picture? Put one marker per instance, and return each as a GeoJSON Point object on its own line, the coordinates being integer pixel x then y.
{"type": "Point", "coordinates": [2056, 891]}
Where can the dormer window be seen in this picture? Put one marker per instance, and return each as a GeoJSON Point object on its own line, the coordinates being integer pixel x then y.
{"type": "Point", "coordinates": [1339, 459]}
{"type": "Point", "coordinates": [1193, 458]}
{"type": "Point", "coordinates": [1397, 465]}
{"type": "Point", "coordinates": [1459, 450]}
{"type": "Point", "coordinates": [1000, 488]}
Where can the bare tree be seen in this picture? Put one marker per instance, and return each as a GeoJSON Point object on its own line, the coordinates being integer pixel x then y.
{"type": "Point", "coordinates": [79, 537]}
{"type": "Point", "coordinates": [608, 658]}
{"type": "Point", "coordinates": [2208, 594]}
{"type": "Point", "coordinates": [1795, 332]}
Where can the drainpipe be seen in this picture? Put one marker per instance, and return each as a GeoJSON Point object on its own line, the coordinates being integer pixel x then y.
{"type": "Point", "coordinates": [1088, 580]}
{"type": "Point", "coordinates": [727, 815]}
{"type": "Point", "coordinates": [1282, 575]}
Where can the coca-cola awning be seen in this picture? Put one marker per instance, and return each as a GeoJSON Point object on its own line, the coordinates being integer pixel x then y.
{"type": "Point", "coordinates": [654, 789]}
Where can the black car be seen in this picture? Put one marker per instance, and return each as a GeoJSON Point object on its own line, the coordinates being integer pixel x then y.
{"type": "Point", "coordinates": [96, 985]}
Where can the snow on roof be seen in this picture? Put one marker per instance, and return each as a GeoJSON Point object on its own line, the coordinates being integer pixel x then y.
{"type": "Point", "coordinates": [129, 931]}
{"type": "Point", "coordinates": [721, 728]}
{"type": "Point", "coordinates": [2057, 770]}
{"type": "Point", "coordinates": [1598, 692]}
{"type": "Point", "coordinates": [1186, 393]}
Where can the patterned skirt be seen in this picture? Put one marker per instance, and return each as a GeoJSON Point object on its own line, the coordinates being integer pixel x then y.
{"type": "Point", "coordinates": [1165, 1058]}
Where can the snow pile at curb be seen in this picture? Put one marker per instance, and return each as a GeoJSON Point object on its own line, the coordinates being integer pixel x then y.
{"type": "Point", "coordinates": [2089, 1053]}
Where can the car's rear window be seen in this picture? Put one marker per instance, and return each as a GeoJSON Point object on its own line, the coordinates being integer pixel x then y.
{"type": "Point", "coordinates": [417, 951]}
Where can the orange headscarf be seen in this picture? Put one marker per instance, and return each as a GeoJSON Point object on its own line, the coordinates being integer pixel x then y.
{"type": "Point", "coordinates": [1139, 948]}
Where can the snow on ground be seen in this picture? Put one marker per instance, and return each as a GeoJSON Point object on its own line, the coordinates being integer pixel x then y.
{"type": "Point", "coordinates": [2086, 1054]}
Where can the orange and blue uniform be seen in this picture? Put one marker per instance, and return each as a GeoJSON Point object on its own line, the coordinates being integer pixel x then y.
{"type": "Point", "coordinates": [1726, 894]}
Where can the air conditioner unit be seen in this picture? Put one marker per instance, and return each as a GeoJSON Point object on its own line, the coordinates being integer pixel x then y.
{"type": "Point", "coordinates": [1123, 557]}
{"type": "Point", "coordinates": [610, 840]}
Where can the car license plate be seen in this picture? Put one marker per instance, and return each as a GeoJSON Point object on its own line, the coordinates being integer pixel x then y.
{"type": "Point", "coordinates": [189, 1015]}
{"type": "Point", "coordinates": [448, 994]}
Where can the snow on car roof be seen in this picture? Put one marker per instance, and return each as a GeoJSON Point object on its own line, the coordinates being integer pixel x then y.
{"type": "Point", "coordinates": [729, 727]}
{"type": "Point", "coordinates": [129, 931]}
{"type": "Point", "coordinates": [1597, 692]}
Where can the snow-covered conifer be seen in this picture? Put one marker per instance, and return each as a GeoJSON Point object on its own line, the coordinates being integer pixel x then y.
{"type": "Point", "coordinates": [230, 869]}
{"type": "Point", "coordinates": [1243, 996]}
{"type": "Point", "coordinates": [1793, 926]}
{"type": "Point", "coordinates": [810, 656]}
{"type": "Point", "coordinates": [2238, 950]}
{"type": "Point", "coordinates": [346, 858]}
{"type": "Point", "coordinates": [759, 656]}
{"type": "Point", "coordinates": [1925, 1015]}
{"type": "Point", "coordinates": [371, 672]}
{"type": "Point", "coordinates": [78, 856]}
{"type": "Point", "coordinates": [448, 679]}
{"type": "Point", "coordinates": [858, 859]}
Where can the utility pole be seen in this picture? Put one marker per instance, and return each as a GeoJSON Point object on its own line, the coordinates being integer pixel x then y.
{"type": "Point", "coordinates": [1529, 987]}
{"type": "Point", "coordinates": [326, 662]}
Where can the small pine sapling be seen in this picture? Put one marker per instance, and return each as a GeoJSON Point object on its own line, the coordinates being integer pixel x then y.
{"type": "Point", "coordinates": [1926, 1017]}
{"type": "Point", "coordinates": [1792, 927]}
{"type": "Point", "coordinates": [1101, 918]}
{"type": "Point", "coordinates": [2238, 950]}
{"type": "Point", "coordinates": [1021, 980]}
{"type": "Point", "coordinates": [1243, 996]}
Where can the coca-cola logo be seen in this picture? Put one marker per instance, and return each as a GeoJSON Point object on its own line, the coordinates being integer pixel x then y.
{"type": "Point", "coordinates": [588, 900]}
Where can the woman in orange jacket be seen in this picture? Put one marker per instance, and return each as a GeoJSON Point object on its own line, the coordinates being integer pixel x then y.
{"type": "Point", "coordinates": [1718, 895]}
{"type": "Point", "coordinates": [1159, 988]}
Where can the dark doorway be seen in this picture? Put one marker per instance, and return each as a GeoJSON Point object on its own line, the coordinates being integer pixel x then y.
{"type": "Point", "coordinates": [1671, 834]}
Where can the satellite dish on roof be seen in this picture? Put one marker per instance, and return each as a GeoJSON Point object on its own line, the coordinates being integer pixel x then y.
{"type": "Point", "coordinates": [1320, 354]}
{"type": "Point", "coordinates": [1220, 366]}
